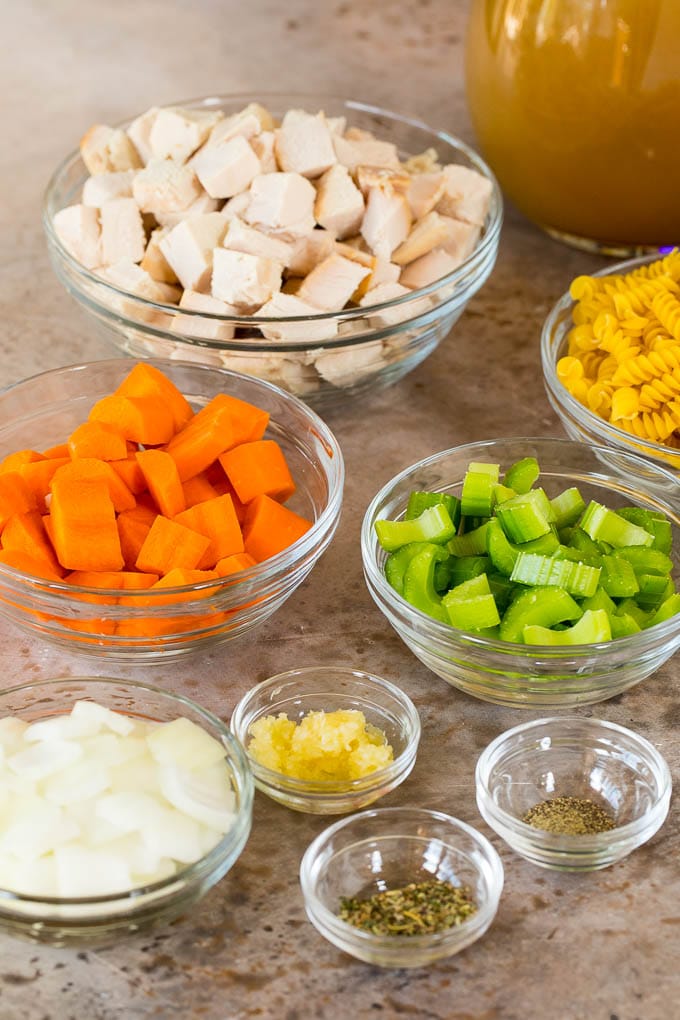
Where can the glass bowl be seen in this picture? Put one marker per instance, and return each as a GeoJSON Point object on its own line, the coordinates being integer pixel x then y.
{"type": "Point", "coordinates": [99, 920]}
{"type": "Point", "coordinates": [331, 688]}
{"type": "Point", "coordinates": [386, 849]}
{"type": "Point", "coordinates": [512, 674]}
{"type": "Point", "coordinates": [611, 766]}
{"type": "Point", "coordinates": [578, 420]}
{"type": "Point", "coordinates": [150, 626]}
{"type": "Point", "coordinates": [352, 352]}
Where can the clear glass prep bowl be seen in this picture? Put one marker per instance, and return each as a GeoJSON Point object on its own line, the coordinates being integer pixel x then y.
{"type": "Point", "coordinates": [374, 347]}
{"type": "Point", "coordinates": [522, 675]}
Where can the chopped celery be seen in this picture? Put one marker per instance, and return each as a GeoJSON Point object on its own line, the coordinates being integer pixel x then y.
{"type": "Point", "coordinates": [593, 626]}
{"type": "Point", "coordinates": [522, 475]}
{"type": "Point", "coordinates": [433, 525]}
{"type": "Point", "coordinates": [618, 577]}
{"type": "Point", "coordinates": [584, 543]}
{"type": "Point", "coordinates": [502, 589]}
{"type": "Point", "coordinates": [462, 568]}
{"type": "Point", "coordinates": [567, 507]}
{"type": "Point", "coordinates": [543, 606]}
{"type": "Point", "coordinates": [524, 517]}
{"type": "Point", "coordinates": [654, 589]}
{"type": "Point", "coordinates": [606, 525]}
{"type": "Point", "coordinates": [666, 610]}
{"type": "Point", "coordinates": [623, 624]}
{"type": "Point", "coordinates": [645, 561]}
{"type": "Point", "coordinates": [472, 543]}
{"type": "Point", "coordinates": [600, 600]}
{"type": "Point", "coordinates": [419, 587]}
{"type": "Point", "coordinates": [576, 578]}
{"type": "Point", "coordinates": [397, 562]}
{"type": "Point", "coordinates": [503, 552]}
{"type": "Point", "coordinates": [501, 493]}
{"type": "Point", "coordinates": [419, 501]}
{"type": "Point", "coordinates": [471, 606]}
{"type": "Point", "coordinates": [653, 522]}
{"type": "Point", "coordinates": [477, 494]}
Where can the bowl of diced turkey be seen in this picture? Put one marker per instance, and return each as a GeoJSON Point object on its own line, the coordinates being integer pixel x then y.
{"type": "Point", "coordinates": [325, 246]}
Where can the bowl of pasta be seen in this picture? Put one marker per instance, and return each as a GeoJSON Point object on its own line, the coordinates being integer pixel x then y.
{"type": "Point", "coordinates": [611, 360]}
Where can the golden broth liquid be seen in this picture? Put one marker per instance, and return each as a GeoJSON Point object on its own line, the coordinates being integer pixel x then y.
{"type": "Point", "coordinates": [576, 106]}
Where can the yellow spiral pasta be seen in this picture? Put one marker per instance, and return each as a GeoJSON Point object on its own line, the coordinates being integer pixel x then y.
{"type": "Point", "coordinates": [623, 350]}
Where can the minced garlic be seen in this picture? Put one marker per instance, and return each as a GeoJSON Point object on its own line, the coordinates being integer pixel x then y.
{"type": "Point", "coordinates": [337, 746]}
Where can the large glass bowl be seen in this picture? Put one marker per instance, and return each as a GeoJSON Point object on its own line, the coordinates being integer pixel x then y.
{"type": "Point", "coordinates": [512, 674]}
{"type": "Point", "coordinates": [96, 920]}
{"type": "Point", "coordinates": [369, 348]}
{"type": "Point", "coordinates": [578, 420]}
{"type": "Point", "coordinates": [43, 410]}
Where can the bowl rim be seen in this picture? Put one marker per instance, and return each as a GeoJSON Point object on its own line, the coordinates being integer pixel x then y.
{"type": "Point", "coordinates": [234, 838]}
{"type": "Point", "coordinates": [445, 631]}
{"type": "Point", "coordinates": [491, 867]}
{"type": "Point", "coordinates": [266, 569]}
{"type": "Point", "coordinates": [553, 335]}
{"type": "Point", "coordinates": [494, 752]}
{"type": "Point", "coordinates": [329, 788]}
{"type": "Point", "coordinates": [482, 250]}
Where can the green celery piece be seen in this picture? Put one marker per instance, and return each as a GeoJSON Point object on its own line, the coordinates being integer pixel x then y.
{"type": "Point", "coordinates": [522, 475]}
{"type": "Point", "coordinates": [476, 613]}
{"type": "Point", "coordinates": [419, 589]}
{"type": "Point", "coordinates": [576, 578]}
{"type": "Point", "coordinates": [502, 589]}
{"type": "Point", "coordinates": [474, 586]}
{"type": "Point", "coordinates": [618, 577]}
{"type": "Point", "coordinates": [468, 524]}
{"type": "Point", "coordinates": [654, 589]}
{"type": "Point", "coordinates": [584, 543]}
{"type": "Point", "coordinates": [397, 562]}
{"type": "Point", "coordinates": [472, 543]}
{"type": "Point", "coordinates": [656, 523]}
{"type": "Point", "coordinates": [433, 525]}
{"type": "Point", "coordinates": [421, 500]}
{"type": "Point", "coordinates": [600, 600]}
{"type": "Point", "coordinates": [592, 627]}
{"type": "Point", "coordinates": [666, 611]}
{"type": "Point", "coordinates": [501, 493]}
{"type": "Point", "coordinates": [645, 560]}
{"type": "Point", "coordinates": [623, 624]}
{"type": "Point", "coordinates": [567, 552]}
{"type": "Point", "coordinates": [605, 525]}
{"type": "Point", "coordinates": [477, 495]}
{"type": "Point", "coordinates": [462, 568]}
{"type": "Point", "coordinates": [567, 506]}
{"type": "Point", "coordinates": [523, 517]}
{"type": "Point", "coordinates": [503, 552]}
{"type": "Point", "coordinates": [442, 575]}
{"type": "Point", "coordinates": [545, 606]}
{"type": "Point", "coordinates": [629, 607]}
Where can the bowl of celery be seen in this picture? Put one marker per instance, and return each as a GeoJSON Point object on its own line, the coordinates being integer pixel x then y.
{"type": "Point", "coordinates": [528, 572]}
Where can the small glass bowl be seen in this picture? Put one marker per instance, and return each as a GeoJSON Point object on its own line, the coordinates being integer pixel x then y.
{"type": "Point", "coordinates": [387, 849]}
{"type": "Point", "coordinates": [101, 920]}
{"type": "Point", "coordinates": [578, 420]}
{"type": "Point", "coordinates": [527, 676]}
{"type": "Point", "coordinates": [329, 688]}
{"type": "Point", "coordinates": [353, 352]}
{"type": "Point", "coordinates": [152, 625]}
{"type": "Point", "coordinates": [573, 757]}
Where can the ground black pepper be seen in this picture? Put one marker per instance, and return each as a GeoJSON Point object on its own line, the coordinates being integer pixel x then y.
{"type": "Point", "coordinates": [573, 816]}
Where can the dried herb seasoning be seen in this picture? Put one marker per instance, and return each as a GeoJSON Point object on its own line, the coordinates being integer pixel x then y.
{"type": "Point", "coordinates": [572, 816]}
{"type": "Point", "coordinates": [420, 908]}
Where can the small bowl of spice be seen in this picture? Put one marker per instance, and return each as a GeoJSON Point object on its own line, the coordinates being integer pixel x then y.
{"type": "Point", "coordinates": [573, 794]}
{"type": "Point", "coordinates": [401, 887]}
{"type": "Point", "coordinates": [327, 739]}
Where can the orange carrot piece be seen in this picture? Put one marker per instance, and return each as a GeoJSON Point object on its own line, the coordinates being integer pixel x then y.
{"type": "Point", "coordinates": [118, 579]}
{"type": "Point", "coordinates": [26, 533]}
{"type": "Point", "coordinates": [223, 486]}
{"type": "Point", "coordinates": [38, 475]}
{"type": "Point", "coordinates": [234, 564]}
{"type": "Point", "coordinates": [198, 444]}
{"type": "Point", "coordinates": [198, 489]}
{"type": "Point", "coordinates": [145, 380]}
{"type": "Point", "coordinates": [16, 497]}
{"type": "Point", "coordinates": [258, 468]}
{"type": "Point", "coordinates": [60, 450]}
{"type": "Point", "coordinates": [34, 565]}
{"type": "Point", "coordinates": [163, 482]}
{"type": "Point", "coordinates": [249, 421]}
{"type": "Point", "coordinates": [145, 420]}
{"type": "Point", "coordinates": [169, 545]}
{"type": "Point", "coordinates": [83, 524]}
{"type": "Point", "coordinates": [90, 469]}
{"type": "Point", "coordinates": [269, 528]}
{"type": "Point", "coordinates": [14, 461]}
{"type": "Point", "coordinates": [97, 439]}
{"type": "Point", "coordinates": [216, 519]}
{"type": "Point", "coordinates": [131, 473]}
{"type": "Point", "coordinates": [133, 527]}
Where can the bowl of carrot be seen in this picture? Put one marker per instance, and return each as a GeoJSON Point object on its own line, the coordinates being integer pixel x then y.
{"type": "Point", "coordinates": [152, 508]}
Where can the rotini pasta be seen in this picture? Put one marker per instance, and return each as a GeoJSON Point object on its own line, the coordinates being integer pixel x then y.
{"type": "Point", "coordinates": [623, 350]}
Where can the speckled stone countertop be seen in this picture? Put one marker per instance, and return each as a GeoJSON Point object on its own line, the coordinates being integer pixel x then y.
{"type": "Point", "coordinates": [601, 947]}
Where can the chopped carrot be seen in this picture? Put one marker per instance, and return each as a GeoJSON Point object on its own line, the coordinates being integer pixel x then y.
{"type": "Point", "coordinates": [216, 519]}
{"type": "Point", "coordinates": [234, 564]}
{"type": "Point", "coordinates": [162, 479]}
{"type": "Point", "coordinates": [198, 444]}
{"type": "Point", "coordinates": [90, 469]}
{"type": "Point", "coordinates": [269, 528]}
{"type": "Point", "coordinates": [131, 473]}
{"type": "Point", "coordinates": [223, 486]}
{"type": "Point", "coordinates": [258, 468]}
{"type": "Point", "coordinates": [97, 439]}
{"type": "Point", "coordinates": [169, 545]}
{"type": "Point", "coordinates": [28, 564]}
{"type": "Point", "coordinates": [145, 380]}
{"type": "Point", "coordinates": [198, 489]}
{"type": "Point", "coordinates": [83, 524]}
{"type": "Point", "coordinates": [60, 450]}
{"type": "Point", "coordinates": [118, 579]}
{"type": "Point", "coordinates": [16, 497]}
{"type": "Point", "coordinates": [146, 420]}
{"type": "Point", "coordinates": [133, 527]}
{"type": "Point", "coordinates": [26, 533]}
{"type": "Point", "coordinates": [250, 422]}
{"type": "Point", "coordinates": [13, 461]}
{"type": "Point", "coordinates": [38, 475]}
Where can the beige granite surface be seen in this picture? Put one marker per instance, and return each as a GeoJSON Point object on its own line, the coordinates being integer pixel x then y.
{"type": "Point", "coordinates": [598, 947]}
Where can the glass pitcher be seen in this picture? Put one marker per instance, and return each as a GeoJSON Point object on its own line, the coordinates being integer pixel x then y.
{"type": "Point", "coordinates": [576, 106]}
